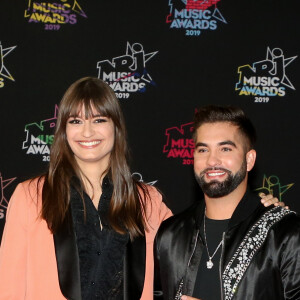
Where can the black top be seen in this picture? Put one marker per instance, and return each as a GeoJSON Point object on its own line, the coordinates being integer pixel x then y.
{"type": "Point", "coordinates": [207, 285]}
{"type": "Point", "coordinates": [101, 252]}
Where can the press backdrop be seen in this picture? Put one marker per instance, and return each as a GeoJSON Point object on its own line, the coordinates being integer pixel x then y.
{"type": "Point", "coordinates": [163, 59]}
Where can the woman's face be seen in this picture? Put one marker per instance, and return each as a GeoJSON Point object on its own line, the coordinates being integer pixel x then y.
{"type": "Point", "coordinates": [92, 139]}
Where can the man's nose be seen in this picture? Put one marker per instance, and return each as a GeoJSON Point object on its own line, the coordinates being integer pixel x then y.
{"type": "Point", "coordinates": [213, 159]}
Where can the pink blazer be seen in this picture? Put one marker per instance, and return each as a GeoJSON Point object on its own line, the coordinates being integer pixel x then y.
{"type": "Point", "coordinates": [28, 266]}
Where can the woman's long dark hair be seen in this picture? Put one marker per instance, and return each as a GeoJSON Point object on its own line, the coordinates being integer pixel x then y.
{"type": "Point", "coordinates": [127, 207]}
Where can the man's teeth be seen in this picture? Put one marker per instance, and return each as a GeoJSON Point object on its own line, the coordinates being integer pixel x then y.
{"type": "Point", "coordinates": [89, 143]}
{"type": "Point", "coordinates": [216, 174]}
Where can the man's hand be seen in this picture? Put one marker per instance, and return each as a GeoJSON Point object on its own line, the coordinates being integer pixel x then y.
{"type": "Point", "coordinates": [184, 297]}
{"type": "Point", "coordinates": [268, 200]}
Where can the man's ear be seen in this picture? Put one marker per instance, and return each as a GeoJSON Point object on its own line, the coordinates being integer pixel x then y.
{"type": "Point", "coordinates": [250, 159]}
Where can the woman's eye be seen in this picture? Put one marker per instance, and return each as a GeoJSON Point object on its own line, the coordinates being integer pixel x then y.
{"type": "Point", "coordinates": [74, 121]}
{"type": "Point", "coordinates": [100, 120]}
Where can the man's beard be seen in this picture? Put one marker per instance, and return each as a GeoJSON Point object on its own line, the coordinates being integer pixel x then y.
{"type": "Point", "coordinates": [215, 188]}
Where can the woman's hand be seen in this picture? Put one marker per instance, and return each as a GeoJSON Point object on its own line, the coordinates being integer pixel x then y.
{"type": "Point", "coordinates": [268, 200]}
{"type": "Point", "coordinates": [184, 297]}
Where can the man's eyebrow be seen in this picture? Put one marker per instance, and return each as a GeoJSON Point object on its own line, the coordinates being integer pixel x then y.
{"type": "Point", "coordinates": [199, 144]}
{"type": "Point", "coordinates": [227, 143]}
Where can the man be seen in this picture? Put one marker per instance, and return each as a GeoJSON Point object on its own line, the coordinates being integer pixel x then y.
{"type": "Point", "coordinates": [228, 246]}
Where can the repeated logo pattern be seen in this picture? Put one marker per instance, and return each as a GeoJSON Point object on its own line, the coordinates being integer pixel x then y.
{"type": "Point", "coordinates": [54, 14]}
{"type": "Point", "coordinates": [127, 73]}
{"type": "Point", "coordinates": [266, 78]}
{"type": "Point", "coordinates": [4, 183]}
{"type": "Point", "coordinates": [194, 16]}
{"type": "Point", "coordinates": [179, 143]}
{"type": "Point", "coordinates": [39, 137]}
{"type": "Point", "coordinates": [4, 73]}
{"type": "Point", "coordinates": [272, 185]}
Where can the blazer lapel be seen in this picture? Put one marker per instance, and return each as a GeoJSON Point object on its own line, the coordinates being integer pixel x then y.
{"type": "Point", "coordinates": [67, 260]}
{"type": "Point", "coordinates": [134, 268]}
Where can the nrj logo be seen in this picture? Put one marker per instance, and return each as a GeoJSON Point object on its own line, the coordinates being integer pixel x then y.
{"type": "Point", "coordinates": [272, 185]}
{"type": "Point", "coordinates": [127, 73]}
{"type": "Point", "coordinates": [3, 70]}
{"type": "Point", "coordinates": [194, 16]}
{"type": "Point", "coordinates": [180, 144]}
{"type": "Point", "coordinates": [39, 137]}
{"type": "Point", "coordinates": [3, 200]}
{"type": "Point", "coordinates": [265, 78]}
{"type": "Point", "coordinates": [139, 178]}
{"type": "Point", "coordinates": [54, 14]}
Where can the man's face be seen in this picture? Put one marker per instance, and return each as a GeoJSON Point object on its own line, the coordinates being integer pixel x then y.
{"type": "Point", "coordinates": [220, 161]}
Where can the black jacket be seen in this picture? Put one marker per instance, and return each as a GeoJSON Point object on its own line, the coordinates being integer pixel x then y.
{"type": "Point", "coordinates": [68, 264]}
{"type": "Point", "coordinates": [270, 270]}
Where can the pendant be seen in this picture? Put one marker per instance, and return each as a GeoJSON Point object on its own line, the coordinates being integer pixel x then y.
{"type": "Point", "coordinates": [209, 264]}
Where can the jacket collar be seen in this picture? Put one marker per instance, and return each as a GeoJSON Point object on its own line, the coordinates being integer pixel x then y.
{"type": "Point", "coordinates": [248, 204]}
{"type": "Point", "coordinates": [199, 213]}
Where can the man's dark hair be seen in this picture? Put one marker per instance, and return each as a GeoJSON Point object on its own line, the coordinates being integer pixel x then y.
{"type": "Point", "coordinates": [230, 114]}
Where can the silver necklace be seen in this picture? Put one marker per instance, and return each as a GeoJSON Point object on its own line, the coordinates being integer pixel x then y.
{"type": "Point", "coordinates": [209, 263]}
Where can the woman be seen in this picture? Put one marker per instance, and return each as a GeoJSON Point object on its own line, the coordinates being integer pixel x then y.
{"type": "Point", "coordinates": [78, 232]}
{"type": "Point", "coordinates": [85, 229]}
